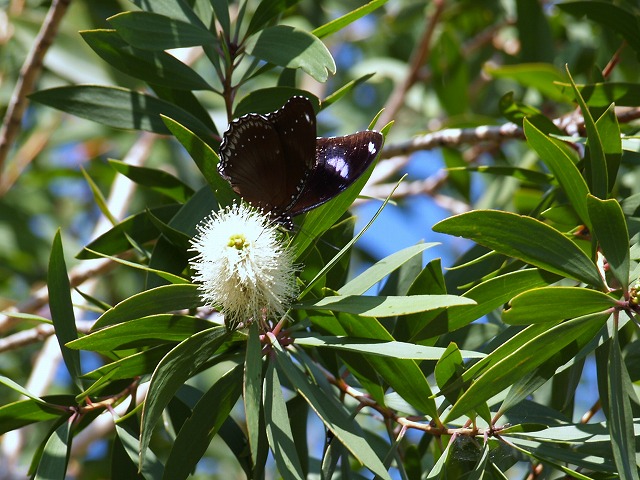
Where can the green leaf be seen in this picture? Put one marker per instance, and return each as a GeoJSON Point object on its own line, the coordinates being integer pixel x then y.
{"type": "Point", "coordinates": [522, 174]}
{"type": "Point", "coordinates": [253, 389]}
{"type": "Point", "coordinates": [293, 48]}
{"type": "Point", "coordinates": [620, 414]}
{"type": "Point", "coordinates": [596, 163]}
{"type": "Point", "coordinates": [61, 308]}
{"type": "Point", "coordinates": [341, 22]}
{"type": "Point", "coordinates": [180, 364]}
{"type": "Point", "coordinates": [25, 412]}
{"type": "Point", "coordinates": [601, 95]}
{"type": "Point", "coordinates": [119, 108]}
{"type": "Point", "coordinates": [156, 68]}
{"type": "Point", "coordinates": [559, 159]}
{"type": "Point", "coordinates": [158, 180]}
{"type": "Point", "coordinates": [266, 11]}
{"type": "Point", "coordinates": [610, 228]}
{"type": "Point", "coordinates": [501, 374]}
{"type": "Point", "coordinates": [176, 9]}
{"type": "Point", "coordinates": [162, 299]}
{"type": "Point", "coordinates": [138, 364]}
{"type": "Point", "coordinates": [137, 227]}
{"type": "Point", "coordinates": [6, 381]}
{"type": "Point", "coordinates": [207, 417]}
{"type": "Point", "coordinates": [404, 376]}
{"type": "Point", "coordinates": [609, 130]}
{"type": "Point", "coordinates": [147, 331]}
{"type": "Point", "coordinates": [151, 468]}
{"type": "Point", "coordinates": [206, 159]}
{"type": "Point", "coordinates": [169, 277]}
{"type": "Point", "coordinates": [333, 414]}
{"type": "Point", "coordinates": [393, 349]}
{"type": "Point", "coordinates": [495, 292]}
{"type": "Point", "coordinates": [345, 89]}
{"type": "Point", "coordinates": [98, 198]}
{"type": "Point", "coordinates": [55, 456]}
{"type": "Point", "coordinates": [448, 369]}
{"type": "Point", "coordinates": [221, 9]}
{"type": "Point", "coordinates": [279, 428]}
{"type": "Point", "coordinates": [524, 238]}
{"type": "Point", "coordinates": [267, 100]}
{"type": "Point", "coordinates": [549, 304]}
{"type": "Point", "coordinates": [390, 306]}
{"type": "Point", "coordinates": [540, 76]}
{"type": "Point", "coordinates": [616, 19]}
{"type": "Point", "coordinates": [381, 269]}
{"type": "Point", "coordinates": [151, 31]}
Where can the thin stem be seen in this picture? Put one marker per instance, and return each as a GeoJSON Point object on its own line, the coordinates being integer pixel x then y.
{"type": "Point", "coordinates": [27, 78]}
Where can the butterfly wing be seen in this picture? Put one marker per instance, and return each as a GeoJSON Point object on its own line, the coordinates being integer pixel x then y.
{"type": "Point", "coordinates": [267, 158]}
{"type": "Point", "coordinates": [340, 161]}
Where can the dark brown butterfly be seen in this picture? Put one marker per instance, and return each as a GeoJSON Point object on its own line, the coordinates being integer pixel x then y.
{"type": "Point", "coordinates": [276, 163]}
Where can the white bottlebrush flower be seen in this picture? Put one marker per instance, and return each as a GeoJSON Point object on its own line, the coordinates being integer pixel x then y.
{"type": "Point", "coordinates": [242, 266]}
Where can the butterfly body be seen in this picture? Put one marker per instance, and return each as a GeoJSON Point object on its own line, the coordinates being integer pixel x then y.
{"type": "Point", "coordinates": [276, 163]}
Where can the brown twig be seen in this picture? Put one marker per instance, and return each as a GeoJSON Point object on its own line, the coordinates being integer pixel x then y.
{"type": "Point", "coordinates": [28, 75]}
{"type": "Point", "coordinates": [418, 59]}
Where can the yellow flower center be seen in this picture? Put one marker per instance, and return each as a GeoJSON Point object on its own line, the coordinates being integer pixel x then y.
{"type": "Point", "coordinates": [238, 241]}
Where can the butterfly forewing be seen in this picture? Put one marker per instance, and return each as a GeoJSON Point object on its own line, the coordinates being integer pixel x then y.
{"type": "Point", "coordinates": [267, 158]}
{"type": "Point", "coordinates": [340, 161]}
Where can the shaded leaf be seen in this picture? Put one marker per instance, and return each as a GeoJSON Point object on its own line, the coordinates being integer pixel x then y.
{"type": "Point", "coordinates": [152, 31]}
{"type": "Point", "coordinates": [174, 369]}
{"type": "Point", "coordinates": [610, 228]}
{"type": "Point", "coordinates": [278, 426]}
{"type": "Point", "coordinates": [61, 308]}
{"type": "Point", "coordinates": [293, 48]}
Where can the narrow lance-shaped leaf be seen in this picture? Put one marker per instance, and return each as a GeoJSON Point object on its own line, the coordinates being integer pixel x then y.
{"type": "Point", "coordinates": [253, 389]}
{"type": "Point", "coordinates": [620, 415]}
{"type": "Point", "coordinates": [609, 130]}
{"type": "Point", "coordinates": [596, 164]}
{"type": "Point", "coordinates": [524, 238]}
{"type": "Point", "coordinates": [55, 455]}
{"type": "Point", "coordinates": [532, 354]}
{"type": "Point", "coordinates": [152, 467]}
{"type": "Point", "coordinates": [156, 68]}
{"type": "Point", "coordinates": [341, 22]}
{"type": "Point", "coordinates": [332, 414]}
{"type": "Point", "coordinates": [558, 158]}
{"type": "Point", "coordinates": [381, 269]}
{"type": "Point", "coordinates": [390, 306]}
{"type": "Point", "coordinates": [173, 370]}
{"type": "Point", "coordinates": [119, 108]}
{"type": "Point", "coordinates": [207, 417]}
{"type": "Point", "coordinates": [610, 228]}
{"type": "Point", "coordinates": [150, 302]}
{"type": "Point", "coordinates": [205, 157]}
{"type": "Point", "coordinates": [278, 427]}
{"type": "Point", "coordinates": [151, 31]}
{"type": "Point", "coordinates": [549, 304]}
{"type": "Point", "coordinates": [62, 309]}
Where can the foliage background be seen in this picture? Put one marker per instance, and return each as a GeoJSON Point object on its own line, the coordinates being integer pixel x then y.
{"type": "Point", "coordinates": [438, 66]}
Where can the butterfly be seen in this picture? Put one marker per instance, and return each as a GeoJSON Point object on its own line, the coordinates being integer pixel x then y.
{"type": "Point", "coordinates": [276, 163]}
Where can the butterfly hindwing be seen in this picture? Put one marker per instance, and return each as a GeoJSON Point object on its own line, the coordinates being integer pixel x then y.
{"type": "Point", "coordinates": [340, 161]}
